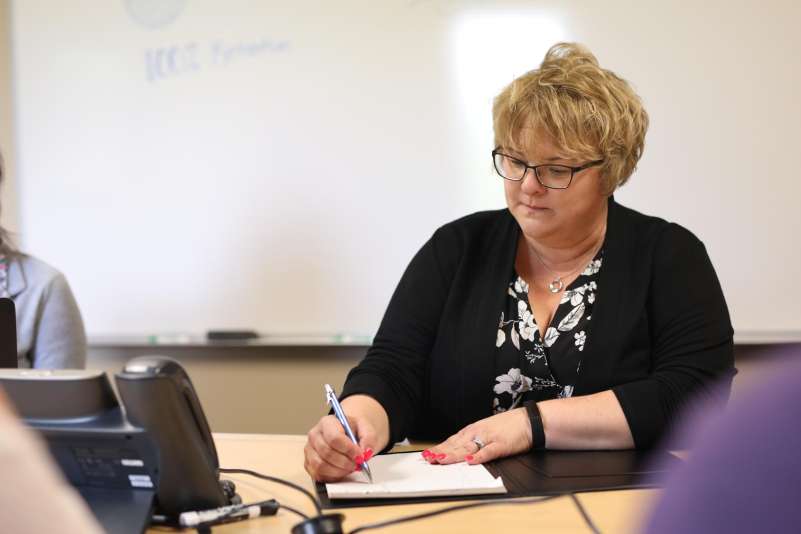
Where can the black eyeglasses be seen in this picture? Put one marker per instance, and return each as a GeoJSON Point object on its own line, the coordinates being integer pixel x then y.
{"type": "Point", "coordinates": [549, 175]}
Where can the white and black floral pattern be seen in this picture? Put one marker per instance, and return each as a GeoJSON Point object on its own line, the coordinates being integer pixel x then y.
{"type": "Point", "coordinates": [528, 367]}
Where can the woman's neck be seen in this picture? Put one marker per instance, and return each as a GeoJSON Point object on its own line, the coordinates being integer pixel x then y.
{"type": "Point", "coordinates": [564, 255]}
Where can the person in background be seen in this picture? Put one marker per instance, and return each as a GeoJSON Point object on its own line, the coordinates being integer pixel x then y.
{"type": "Point", "coordinates": [565, 321]}
{"type": "Point", "coordinates": [34, 497]}
{"type": "Point", "coordinates": [50, 333]}
{"type": "Point", "coordinates": [743, 469]}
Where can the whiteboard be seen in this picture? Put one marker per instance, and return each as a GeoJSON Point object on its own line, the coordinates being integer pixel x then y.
{"type": "Point", "coordinates": [193, 164]}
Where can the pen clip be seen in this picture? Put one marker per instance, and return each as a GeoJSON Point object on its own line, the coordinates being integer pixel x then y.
{"type": "Point", "coordinates": [330, 396]}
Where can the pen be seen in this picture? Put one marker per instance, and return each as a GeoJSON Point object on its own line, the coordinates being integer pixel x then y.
{"type": "Point", "coordinates": [331, 397]}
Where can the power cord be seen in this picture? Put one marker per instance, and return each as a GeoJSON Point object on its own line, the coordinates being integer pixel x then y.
{"type": "Point", "coordinates": [277, 480]}
{"type": "Point", "coordinates": [584, 514]}
{"type": "Point", "coordinates": [293, 510]}
{"type": "Point", "coordinates": [424, 515]}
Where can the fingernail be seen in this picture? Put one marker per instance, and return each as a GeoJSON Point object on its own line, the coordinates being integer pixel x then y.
{"type": "Point", "coordinates": [359, 459]}
{"type": "Point", "coordinates": [469, 457]}
{"type": "Point", "coordinates": [358, 467]}
{"type": "Point", "coordinates": [368, 454]}
{"type": "Point", "coordinates": [426, 453]}
{"type": "Point", "coordinates": [441, 456]}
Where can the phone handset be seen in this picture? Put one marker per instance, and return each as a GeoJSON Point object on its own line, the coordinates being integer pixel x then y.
{"type": "Point", "coordinates": [158, 396]}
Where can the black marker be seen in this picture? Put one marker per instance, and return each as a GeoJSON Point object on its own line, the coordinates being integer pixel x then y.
{"type": "Point", "coordinates": [227, 514]}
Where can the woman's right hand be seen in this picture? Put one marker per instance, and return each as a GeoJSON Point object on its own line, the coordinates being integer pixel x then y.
{"type": "Point", "coordinates": [330, 455]}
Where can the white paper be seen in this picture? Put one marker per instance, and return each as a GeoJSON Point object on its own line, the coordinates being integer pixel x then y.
{"type": "Point", "coordinates": [409, 475]}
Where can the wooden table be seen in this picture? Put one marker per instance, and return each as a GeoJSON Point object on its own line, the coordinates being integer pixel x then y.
{"type": "Point", "coordinates": [282, 456]}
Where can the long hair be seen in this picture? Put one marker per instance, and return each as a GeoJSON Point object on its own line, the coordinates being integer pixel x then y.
{"type": "Point", "coordinates": [6, 245]}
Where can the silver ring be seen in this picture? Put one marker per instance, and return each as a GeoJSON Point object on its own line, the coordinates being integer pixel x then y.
{"type": "Point", "coordinates": [478, 442]}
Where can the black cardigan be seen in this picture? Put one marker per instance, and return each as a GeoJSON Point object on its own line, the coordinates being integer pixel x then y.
{"type": "Point", "coordinates": [660, 330]}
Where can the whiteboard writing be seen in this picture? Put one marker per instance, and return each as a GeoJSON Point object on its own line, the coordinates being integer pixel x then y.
{"type": "Point", "coordinates": [166, 62]}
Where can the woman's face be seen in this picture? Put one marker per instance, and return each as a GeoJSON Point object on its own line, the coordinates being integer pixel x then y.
{"type": "Point", "coordinates": [558, 216]}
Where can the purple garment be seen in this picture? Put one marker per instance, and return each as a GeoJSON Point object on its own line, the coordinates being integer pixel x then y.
{"type": "Point", "coordinates": [744, 473]}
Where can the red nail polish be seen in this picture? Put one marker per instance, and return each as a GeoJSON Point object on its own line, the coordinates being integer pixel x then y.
{"type": "Point", "coordinates": [358, 467]}
{"type": "Point", "coordinates": [441, 456]}
{"type": "Point", "coordinates": [427, 453]}
{"type": "Point", "coordinates": [469, 457]}
{"type": "Point", "coordinates": [368, 454]}
{"type": "Point", "coordinates": [359, 459]}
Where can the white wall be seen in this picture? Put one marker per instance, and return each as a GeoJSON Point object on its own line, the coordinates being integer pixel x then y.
{"type": "Point", "coordinates": [275, 165]}
{"type": "Point", "coordinates": [8, 192]}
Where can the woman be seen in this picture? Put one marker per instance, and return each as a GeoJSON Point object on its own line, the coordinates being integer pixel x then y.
{"type": "Point", "coordinates": [50, 332]}
{"type": "Point", "coordinates": [566, 321]}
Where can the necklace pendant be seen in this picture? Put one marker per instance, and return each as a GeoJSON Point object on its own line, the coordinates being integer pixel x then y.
{"type": "Point", "coordinates": [556, 285]}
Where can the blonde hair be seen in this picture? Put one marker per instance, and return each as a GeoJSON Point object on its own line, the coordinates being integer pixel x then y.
{"type": "Point", "coordinates": [588, 111]}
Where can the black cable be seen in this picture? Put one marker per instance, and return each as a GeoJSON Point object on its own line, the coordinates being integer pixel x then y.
{"type": "Point", "coordinates": [278, 481]}
{"type": "Point", "coordinates": [293, 510]}
{"type": "Point", "coordinates": [381, 524]}
{"type": "Point", "coordinates": [455, 508]}
{"type": "Point", "coordinates": [584, 514]}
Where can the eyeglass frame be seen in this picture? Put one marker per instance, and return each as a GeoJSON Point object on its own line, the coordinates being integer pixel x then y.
{"type": "Point", "coordinates": [573, 170]}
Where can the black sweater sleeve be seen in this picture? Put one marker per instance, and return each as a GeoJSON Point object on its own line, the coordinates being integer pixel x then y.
{"type": "Point", "coordinates": [692, 344]}
{"type": "Point", "coordinates": [394, 370]}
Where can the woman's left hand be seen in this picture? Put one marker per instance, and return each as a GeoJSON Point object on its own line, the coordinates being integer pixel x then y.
{"type": "Point", "coordinates": [502, 435]}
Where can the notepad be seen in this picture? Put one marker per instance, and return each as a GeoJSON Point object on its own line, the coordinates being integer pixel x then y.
{"type": "Point", "coordinates": [409, 475]}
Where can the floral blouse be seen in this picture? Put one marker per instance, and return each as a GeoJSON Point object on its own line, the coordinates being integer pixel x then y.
{"type": "Point", "coordinates": [529, 367]}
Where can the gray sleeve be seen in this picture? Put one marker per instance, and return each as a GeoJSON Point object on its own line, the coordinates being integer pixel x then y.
{"type": "Point", "coordinates": [60, 339]}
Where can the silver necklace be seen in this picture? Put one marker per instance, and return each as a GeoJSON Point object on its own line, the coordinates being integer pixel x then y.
{"type": "Point", "coordinates": [556, 285]}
